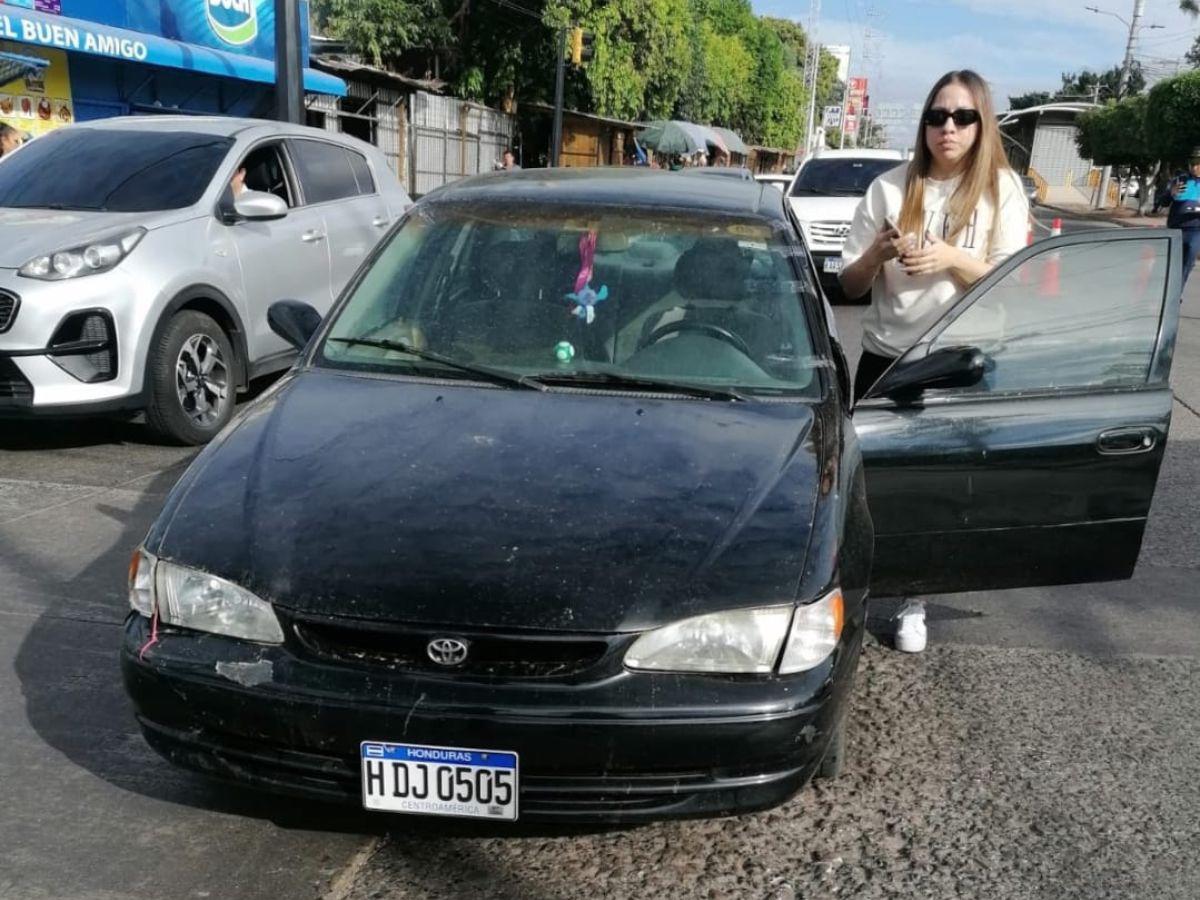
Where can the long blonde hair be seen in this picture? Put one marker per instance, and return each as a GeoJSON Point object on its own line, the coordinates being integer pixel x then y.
{"type": "Point", "coordinates": [985, 162]}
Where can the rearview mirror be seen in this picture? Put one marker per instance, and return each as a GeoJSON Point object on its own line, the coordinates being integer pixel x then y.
{"type": "Point", "coordinates": [949, 367]}
{"type": "Point", "coordinates": [293, 321]}
{"type": "Point", "coordinates": [259, 205]}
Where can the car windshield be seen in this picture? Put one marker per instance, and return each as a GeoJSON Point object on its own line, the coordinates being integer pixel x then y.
{"type": "Point", "coordinates": [839, 177]}
{"type": "Point", "coordinates": [112, 170]}
{"type": "Point", "coordinates": [604, 300]}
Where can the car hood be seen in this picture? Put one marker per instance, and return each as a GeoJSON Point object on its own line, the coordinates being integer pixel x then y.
{"type": "Point", "coordinates": [449, 504]}
{"type": "Point", "coordinates": [26, 233]}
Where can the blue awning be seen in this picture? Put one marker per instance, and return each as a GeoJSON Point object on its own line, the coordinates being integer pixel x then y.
{"type": "Point", "coordinates": [77, 36]}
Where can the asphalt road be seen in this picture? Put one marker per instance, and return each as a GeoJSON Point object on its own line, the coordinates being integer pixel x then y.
{"type": "Point", "coordinates": [1044, 746]}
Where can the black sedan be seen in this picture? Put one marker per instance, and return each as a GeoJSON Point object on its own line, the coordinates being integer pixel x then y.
{"type": "Point", "coordinates": [563, 512]}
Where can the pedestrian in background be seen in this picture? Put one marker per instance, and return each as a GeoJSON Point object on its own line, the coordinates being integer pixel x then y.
{"type": "Point", "coordinates": [926, 231]}
{"type": "Point", "coordinates": [1184, 213]}
{"type": "Point", "coordinates": [10, 139]}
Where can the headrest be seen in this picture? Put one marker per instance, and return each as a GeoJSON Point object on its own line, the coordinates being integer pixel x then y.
{"type": "Point", "coordinates": [713, 269]}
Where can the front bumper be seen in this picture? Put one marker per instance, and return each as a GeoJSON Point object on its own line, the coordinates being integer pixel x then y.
{"type": "Point", "coordinates": [44, 366]}
{"type": "Point", "coordinates": [626, 748]}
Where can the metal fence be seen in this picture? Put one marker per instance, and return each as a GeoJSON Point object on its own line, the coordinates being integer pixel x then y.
{"type": "Point", "coordinates": [452, 139]}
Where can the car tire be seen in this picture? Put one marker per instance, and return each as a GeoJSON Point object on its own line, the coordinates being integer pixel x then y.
{"type": "Point", "coordinates": [191, 379]}
{"type": "Point", "coordinates": [834, 760]}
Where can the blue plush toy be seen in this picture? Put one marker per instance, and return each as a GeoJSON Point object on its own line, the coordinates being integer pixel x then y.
{"type": "Point", "coordinates": [585, 302]}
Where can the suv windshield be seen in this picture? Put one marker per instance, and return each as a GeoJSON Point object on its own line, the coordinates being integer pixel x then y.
{"type": "Point", "coordinates": [708, 306]}
{"type": "Point", "coordinates": [839, 177]}
{"type": "Point", "coordinates": [112, 170]}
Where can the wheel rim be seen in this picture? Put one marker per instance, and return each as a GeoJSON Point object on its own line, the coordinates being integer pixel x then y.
{"type": "Point", "coordinates": [202, 380]}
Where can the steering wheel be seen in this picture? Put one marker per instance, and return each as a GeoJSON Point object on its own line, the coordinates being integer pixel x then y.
{"type": "Point", "coordinates": [705, 328]}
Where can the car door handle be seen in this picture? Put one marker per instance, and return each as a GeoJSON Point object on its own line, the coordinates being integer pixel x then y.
{"type": "Point", "coordinates": [1134, 439]}
{"type": "Point", "coordinates": [311, 237]}
{"type": "Point", "coordinates": [381, 221]}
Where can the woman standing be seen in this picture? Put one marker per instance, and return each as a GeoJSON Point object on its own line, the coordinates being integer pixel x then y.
{"type": "Point", "coordinates": [925, 232]}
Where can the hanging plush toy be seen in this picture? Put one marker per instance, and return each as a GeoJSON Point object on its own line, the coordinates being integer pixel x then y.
{"type": "Point", "coordinates": [584, 297]}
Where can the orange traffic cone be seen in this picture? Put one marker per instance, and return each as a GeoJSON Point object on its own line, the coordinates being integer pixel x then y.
{"type": "Point", "coordinates": [1056, 228]}
{"type": "Point", "coordinates": [1050, 267]}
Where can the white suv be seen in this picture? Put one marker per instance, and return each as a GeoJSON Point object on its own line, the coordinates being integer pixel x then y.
{"type": "Point", "coordinates": [824, 195]}
{"type": "Point", "coordinates": [137, 262]}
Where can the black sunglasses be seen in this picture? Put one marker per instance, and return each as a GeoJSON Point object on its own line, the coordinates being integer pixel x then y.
{"type": "Point", "coordinates": [936, 118]}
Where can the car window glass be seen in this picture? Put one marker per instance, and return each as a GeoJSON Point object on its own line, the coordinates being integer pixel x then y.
{"type": "Point", "coordinates": [704, 300]}
{"type": "Point", "coordinates": [839, 177]}
{"type": "Point", "coordinates": [117, 170]}
{"type": "Point", "coordinates": [362, 172]}
{"type": "Point", "coordinates": [324, 170]}
{"type": "Point", "coordinates": [265, 172]}
{"type": "Point", "coordinates": [1084, 315]}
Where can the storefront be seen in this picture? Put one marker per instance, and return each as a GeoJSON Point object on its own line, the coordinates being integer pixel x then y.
{"type": "Point", "coordinates": [73, 60]}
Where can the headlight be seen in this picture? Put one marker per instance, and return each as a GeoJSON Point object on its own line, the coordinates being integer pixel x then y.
{"type": "Point", "coordinates": [193, 599]}
{"type": "Point", "coordinates": [740, 641]}
{"type": "Point", "coordinates": [85, 259]}
{"type": "Point", "coordinates": [816, 629]}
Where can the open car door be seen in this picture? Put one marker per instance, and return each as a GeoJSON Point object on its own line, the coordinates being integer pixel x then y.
{"type": "Point", "coordinates": [1019, 442]}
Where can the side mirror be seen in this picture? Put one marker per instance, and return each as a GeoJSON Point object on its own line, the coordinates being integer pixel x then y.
{"type": "Point", "coordinates": [949, 367]}
{"type": "Point", "coordinates": [293, 321]}
{"type": "Point", "coordinates": [259, 205]}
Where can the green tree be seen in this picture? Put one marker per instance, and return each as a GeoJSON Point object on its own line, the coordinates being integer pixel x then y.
{"type": "Point", "coordinates": [381, 30]}
{"type": "Point", "coordinates": [1193, 55]}
{"type": "Point", "coordinates": [1034, 98]}
{"type": "Point", "coordinates": [1117, 135]}
{"type": "Point", "coordinates": [1172, 117]}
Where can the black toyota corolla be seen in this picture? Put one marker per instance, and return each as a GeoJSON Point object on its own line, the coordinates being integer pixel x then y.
{"type": "Point", "coordinates": [562, 513]}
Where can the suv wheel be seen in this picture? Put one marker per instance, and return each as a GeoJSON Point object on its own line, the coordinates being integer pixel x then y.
{"type": "Point", "coordinates": [190, 373]}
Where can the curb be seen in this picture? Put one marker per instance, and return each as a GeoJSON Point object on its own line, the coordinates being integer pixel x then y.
{"type": "Point", "coordinates": [1075, 214]}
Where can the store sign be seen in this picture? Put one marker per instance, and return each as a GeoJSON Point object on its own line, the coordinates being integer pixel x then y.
{"type": "Point", "coordinates": [832, 117]}
{"type": "Point", "coordinates": [233, 21]}
{"type": "Point", "coordinates": [69, 37]}
{"type": "Point", "coordinates": [40, 100]}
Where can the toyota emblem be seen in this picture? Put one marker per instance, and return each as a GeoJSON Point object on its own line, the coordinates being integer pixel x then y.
{"type": "Point", "coordinates": [447, 651]}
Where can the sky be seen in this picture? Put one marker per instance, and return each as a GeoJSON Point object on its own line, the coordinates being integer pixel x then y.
{"type": "Point", "coordinates": [1017, 45]}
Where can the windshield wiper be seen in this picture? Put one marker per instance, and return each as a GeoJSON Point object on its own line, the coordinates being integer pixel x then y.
{"type": "Point", "coordinates": [486, 372]}
{"type": "Point", "coordinates": [59, 207]}
{"type": "Point", "coordinates": [639, 383]}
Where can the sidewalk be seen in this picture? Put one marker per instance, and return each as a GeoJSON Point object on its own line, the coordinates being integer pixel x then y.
{"type": "Point", "coordinates": [1118, 215]}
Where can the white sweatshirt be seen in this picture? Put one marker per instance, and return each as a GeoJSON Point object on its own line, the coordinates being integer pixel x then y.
{"type": "Point", "coordinates": [903, 307]}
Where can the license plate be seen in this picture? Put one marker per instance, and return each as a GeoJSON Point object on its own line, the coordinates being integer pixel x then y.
{"type": "Point", "coordinates": [439, 781]}
{"type": "Point", "coordinates": [833, 264]}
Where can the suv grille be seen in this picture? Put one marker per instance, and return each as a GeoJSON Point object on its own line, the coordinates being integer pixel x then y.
{"type": "Point", "coordinates": [490, 655]}
{"type": "Point", "coordinates": [8, 310]}
{"type": "Point", "coordinates": [829, 232]}
{"type": "Point", "coordinates": [15, 390]}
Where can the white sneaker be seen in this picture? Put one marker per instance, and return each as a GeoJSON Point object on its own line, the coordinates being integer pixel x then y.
{"type": "Point", "coordinates": [910, 627]}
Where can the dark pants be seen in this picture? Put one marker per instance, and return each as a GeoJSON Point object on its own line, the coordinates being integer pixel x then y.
{"type": "Point", "coordinates": [1191, 246]}
{"type": "Point", "coordinates": [870, 367]}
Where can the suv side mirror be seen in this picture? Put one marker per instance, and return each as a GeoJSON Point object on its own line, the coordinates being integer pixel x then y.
{"type": "Point", "coordinates": [259, 205]}
{"type": "Point", "coordinates": [293, 321]}
{"type": "Point", "coordinates": [949, 367]}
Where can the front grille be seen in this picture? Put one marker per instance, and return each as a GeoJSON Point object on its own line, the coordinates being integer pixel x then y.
{"type": "Point", "coordinates": [15, 389]}
{"type": "Point", "coordinates": [829, 232]}
{"type": "Point", "coordinates": [489, 655]}
{"type": "Point", "coordinates": [8, 309]}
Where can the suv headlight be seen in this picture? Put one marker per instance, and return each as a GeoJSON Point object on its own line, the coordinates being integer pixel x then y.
{"type": "Point", "coordinates": [744, 641]}
{"type": "Point", "coordinates": [193, 599]}
{"type": "Point", "coordinates": [85, 259]}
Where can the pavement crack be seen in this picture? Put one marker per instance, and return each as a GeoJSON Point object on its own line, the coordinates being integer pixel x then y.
{"type": "Point", "coordinates": [100, 492]}
{"type": "Point", "coordinates": [1195, 412]}
{"type": "Point", "coordinates": [344, 883]}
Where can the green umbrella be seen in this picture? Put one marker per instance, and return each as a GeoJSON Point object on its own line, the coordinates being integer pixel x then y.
{"type": "Point", "coordinates": [671, 137]}
{"type": "Point", "coordinates": [733, 143]}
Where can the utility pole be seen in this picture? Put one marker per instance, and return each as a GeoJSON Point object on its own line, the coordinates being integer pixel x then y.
{"type": "Point", "coordinates": [814, 65]}
{"type": "Point", "coordinates": [845, 95]}
{"type": "Point", "coordinates": [289, 73]}
{"type": "Point", "coordinates": [556, 139]}
{"type": "Point", "coordinates": [1139, 10]}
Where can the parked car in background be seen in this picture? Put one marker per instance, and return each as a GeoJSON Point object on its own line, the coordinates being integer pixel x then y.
{"type": "Point", "coordinates": [824, 196]}
{"type": "Point", "coordinates": [511, 544]}
{"type": "Point", "coordinates": [780, 181]}
{"type": "Point", "coordinates": [132, 277]}
{"type": "Point", "coordinates": [1031, 189]}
